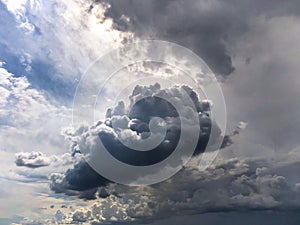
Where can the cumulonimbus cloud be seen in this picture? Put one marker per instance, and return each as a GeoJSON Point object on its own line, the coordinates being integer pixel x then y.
{"type": "Point", "coordinates": [131, 124]}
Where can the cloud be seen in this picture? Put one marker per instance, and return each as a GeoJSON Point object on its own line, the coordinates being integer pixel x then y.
{"type": "Point", "coordinates": [123, 129]}
{"type": "Point", "coordinates": [252, 184]}
{"type": "Point", "coordinates": [32, 159]}
{"type": "Point", "coordinates": [241, 38]}
{"type": "Point", "coordinates": [29, 116]}
{"type": "Point", "coordinates": [80, 180]}
{"type": "Point", "coordinates": [39, 159]}
{"type": "Point", "coordinates": [56, 27]}
{"type": "Point", "coordinates": [265, 90]}
{"type": "Point", "coordinates": [35, 45]}
{"type": "Point", "coordinates": [206, 27]}
{"type": "Point", "coordinates": [228, 139]}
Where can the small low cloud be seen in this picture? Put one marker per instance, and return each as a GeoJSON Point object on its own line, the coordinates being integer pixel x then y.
{"type": "Point", "coordinates": [39, 159]}
{"type": "Point", "coordinates": [32, 159]}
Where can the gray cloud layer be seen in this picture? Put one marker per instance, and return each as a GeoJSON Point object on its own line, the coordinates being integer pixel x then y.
{"type": "Point", "coordinates": [257, 38]}
{"type": "Point", "coordinates": [246, 185]}
{"type": "Point", "coordinates": [206, 27]}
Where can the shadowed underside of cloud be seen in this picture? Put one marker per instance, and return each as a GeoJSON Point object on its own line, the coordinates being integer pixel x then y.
{"type": "Point", "coordinates": [204, 28]}
{"type": "Point", "coordinates": [252, 184]}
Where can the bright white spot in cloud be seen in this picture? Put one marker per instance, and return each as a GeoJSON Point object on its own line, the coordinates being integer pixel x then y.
{"type": "Point", "coordinates": [70, 34]}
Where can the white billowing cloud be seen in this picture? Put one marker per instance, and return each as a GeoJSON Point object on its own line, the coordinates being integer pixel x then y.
{"type": "Point", "coordinates": [19, 8]}
{"type": "Point", "coordinates": [29, 121]}
{"type": "Point", "coordinates": [4, 95]}
{"type": "Point", "coordinates": [24, 102]}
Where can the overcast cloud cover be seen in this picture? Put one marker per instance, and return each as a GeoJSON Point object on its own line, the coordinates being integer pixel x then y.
{"type": "Point", "coordinates": [253, 48]}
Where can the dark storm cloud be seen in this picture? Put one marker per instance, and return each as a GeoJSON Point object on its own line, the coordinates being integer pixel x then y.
{"type": "Point", "coordinates": [81, 181]}
{"type": "Point", "coordinates": [251, 186]}
{"type": "Point", "coordinates": [140, 114]}
{"type": "Point", "coordinates": [203, 26]}
{"type": "Point", "coordinates": [83, 177]}
{"type": "Point", "coordinates": [134, 125]}
{"type": "Point", "coordinates": [259, 38]}
{"type": "Point", "coordinates": [185, 22]}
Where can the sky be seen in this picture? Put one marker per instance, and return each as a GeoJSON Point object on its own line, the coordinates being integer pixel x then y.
{"type": "Point", "coordinates": [213, 85]}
